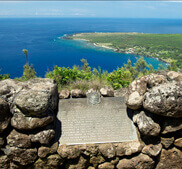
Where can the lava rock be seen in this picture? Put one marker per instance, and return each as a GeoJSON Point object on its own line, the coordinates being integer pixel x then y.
{"type": "Point", "coordinates": [164, 100]}
{"type": "Point", "coordinates": [4, 114]}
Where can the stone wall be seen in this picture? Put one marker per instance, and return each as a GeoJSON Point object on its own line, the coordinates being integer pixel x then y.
{"type": "Point", "coordinates": [29, 139]}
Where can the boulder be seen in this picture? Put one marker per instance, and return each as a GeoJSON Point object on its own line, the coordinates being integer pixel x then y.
{"type": "Point", "coordinates": [64, 94]}
{"type": "Point", "coordinates": [33, 103]}
{"type": "Point", "coordinates": [174, 76]}
{"type": "Point", "coordinates": [82, 164]}
{"type": "Point", "coordinates": [4, 162]}
{"type": "Point", "coordinates": [77, 93]}
{"type": "Point", "coordinates": [54, 161]}
{"type": "Point", "coordinates": [46, 85]}
{"type": "Point", "coordinates": [106, 165]}
{"type": "Point", "coordinates": [21, 156]}
{"type": "Point", "coordinates": [128, 148]}
{"type": "Point", "coordinates": [9, 88]}
{"type": "Point", "coordinates": [107, 92]}
{"type": "Point", "coordinates": [167, 142]}
{"type": "Point", "coordinates": [164, 100]}
{"type": "Point", "coordinates": [155, 80]}
{"type": "Point", "coordinates": [96, 160]}
{"type": "Point", "coordinates": [138, 85]}
{"type": "Point", "coordinates": [44, 151]}
{"type": "Point", "coordinates": [4, 114]}
{"type": "Point", "coordinates": [43, 137]}
{"type": "Point", "coordinates": [152, 150]}
{"type": "Point", "coordinates": [1, 142]}
{"type": "Point", "coordinates": [141, 161]}
{"type": "Point", "coordinates": [69, 152]}
{"type": "Point", "coordinates": [21, 122]}
{"type": "Point", "coordinates": [134, 100]}
{"type": "Point", "coordinates": [170, 159]}
{"type": "Point", "coordinates": [120, 92]}
{"type": "Point", "coordinates": [178, 142]}
{"type": "Point", "coordinates": [170, 125]}
{"type": "Point", "coordinates": [107, 150]}
{"type": "Point", "coordinates": [16, 139]}
{"type": "Point", "coordinates": [146, 124]}
{"type": "Point", "coordinates": [89, 149]}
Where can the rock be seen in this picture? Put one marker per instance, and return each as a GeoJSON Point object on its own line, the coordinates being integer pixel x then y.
{"type": "Point", "coordinates": [174, 76]}
{"type": "Point", "coordinates": [16, 139]}
{"type": "Point", "coordinates": [46, 85]}
{"type": "Point", "coordinates": [4, 114]}
{"type": "Point", "coordinates": [107, 92]}
{"type": "Point", "coordinates": [33, 103]}
{"type": "Point", "coordinates": [164, 100]}
{"type": "Point", "coordinates": [178, 142]}
{"type": "Point", "coordinates": [82, 164]}
{"type": "Point", "coordinates": [171, 125]}
{"type": "Point", "coordinates": [115, 161]}
{"type": "Point", "coordinates": [43, 137]}
{"type": "Point", "coordinates": [155, 80]}
{"type": "Point", "coordinates": [91, 91]}
{"type": "Point", "coordinates": [146, 124]}
{"type": "Point", "coordinates": [134, 100]}
{"type": "Point", "coordinates": [107, 150]}
{"type": "Point", "coordinates": [152, 150]}
{"type": "Point", "coordinates": [166, 142]}
{"type": "Point", "coordinates": [19, 121]}
{"type": "Point", "coordinates": [77, 93]}
{"type": "Point", "coordinates": [120, 92]}
{"type": "Point", "coordinates": [139, 85]}
{"type": "Point", "coordinates": [64, 94]}
{"type": "Point", "coordinates": [89, 149]}
{"type": "Point", "coordinates": [90, 167]}
{"type": "Point", "coordinates": [54, 161]}
{"type": "Point", "coordinates": [69, 152]}
{"type": "Point", "coordinates": [44, 151]}
{"type": "Point", "coordinates": [9, 88]}
{"type": "Point", "coordinates": [4, 162]}
{"type": "Point", "coordinates": [106, 165]}
{"type": "Point", "coordinates": [1, 142]}
{"type": "Point", "coordinates": [95, 160]}
{"type": "Point", "coordinates": [170, 159]}
{"type": "Point", "coordinates": [22, 156]}
{"type": "Point", "coordinates": [128, 148]}
{"type": "Point", "coordinates": [141, 161]}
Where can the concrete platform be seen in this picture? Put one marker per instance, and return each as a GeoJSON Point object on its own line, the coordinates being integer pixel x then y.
{"type": "Point", "coordinates": [100, 123]}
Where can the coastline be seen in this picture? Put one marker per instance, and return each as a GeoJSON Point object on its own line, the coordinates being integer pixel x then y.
{"type": "Point", "coordinates": [73, 37]}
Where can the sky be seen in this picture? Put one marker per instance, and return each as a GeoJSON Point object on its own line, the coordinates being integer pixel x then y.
{"type": "Point", "coordinates": [98, 9]}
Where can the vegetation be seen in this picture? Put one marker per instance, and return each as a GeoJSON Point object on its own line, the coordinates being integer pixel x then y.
{"type": "Point", "coordinates": [29, 71]}
{"type": "Point", "coordinates": [5, 76]}
{"type": "Point", "coordinates": [166, 47]}
{"type": "Point", "coordinates": [84, 77]}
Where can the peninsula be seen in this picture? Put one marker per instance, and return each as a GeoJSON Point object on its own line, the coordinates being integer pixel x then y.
{"type": "Point", "coordinates": [166, 47]}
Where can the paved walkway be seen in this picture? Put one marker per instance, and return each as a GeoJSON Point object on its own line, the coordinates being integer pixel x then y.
{"type": "Point", "coordinates": [100, 123]}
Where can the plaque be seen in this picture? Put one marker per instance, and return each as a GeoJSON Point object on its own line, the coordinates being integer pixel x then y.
{"type": "Point", "coordinates": [93, 98]}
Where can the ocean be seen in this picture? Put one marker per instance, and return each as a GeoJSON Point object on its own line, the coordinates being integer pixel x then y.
{"type": "Point", "coordinates": [45, 49]}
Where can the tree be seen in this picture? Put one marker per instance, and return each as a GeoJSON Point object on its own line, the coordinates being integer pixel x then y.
{"type": "Point", "coordinates": [141, 65]}
{"type": "Point", "coordinates": [25, 51]}
{"type": "Point", "coordinates": [172, 66]}
{"type": "Point", "coordinates": [85, 66]}
{"type": "Point", "coordinates": [28, 72]}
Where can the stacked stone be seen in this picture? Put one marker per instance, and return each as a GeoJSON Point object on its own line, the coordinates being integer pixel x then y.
{"type": "Point", "coordinates": [155, 101]}
{"type": "Point", "coordinates": [29, 108]}
{"type": "Point", "coordinates": [78, 93]}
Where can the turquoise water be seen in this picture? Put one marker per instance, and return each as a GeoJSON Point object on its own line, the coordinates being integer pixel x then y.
{"type": "Point", "coordinates": [41, 37]}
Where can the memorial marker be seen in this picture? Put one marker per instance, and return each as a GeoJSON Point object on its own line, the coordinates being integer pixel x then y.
{"type": "Point", "coordinates": [81, 122]}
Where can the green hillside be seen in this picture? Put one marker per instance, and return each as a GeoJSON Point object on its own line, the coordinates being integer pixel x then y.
{"type": "Point", "coordinates": [167, 47]}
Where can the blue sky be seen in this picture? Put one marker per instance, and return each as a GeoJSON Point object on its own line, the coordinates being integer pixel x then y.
{"type": "Point", "coordinates": [121, 9]}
